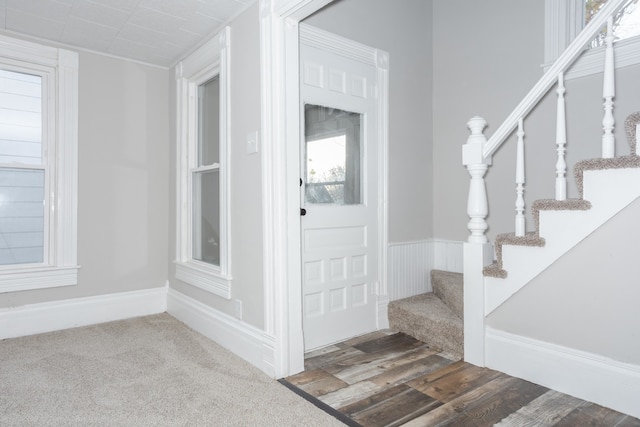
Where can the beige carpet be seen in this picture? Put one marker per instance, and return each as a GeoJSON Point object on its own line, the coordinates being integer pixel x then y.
{"type": "Point", "coordinates": [149, 371]}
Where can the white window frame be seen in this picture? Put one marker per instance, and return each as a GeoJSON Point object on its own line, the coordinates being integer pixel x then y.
{"type": "Point", "coordinates": [59, 69]}
{"type": "Point", "coordinates": [209, 60]}
{"type": "Point", "coordinates": [564, 19]}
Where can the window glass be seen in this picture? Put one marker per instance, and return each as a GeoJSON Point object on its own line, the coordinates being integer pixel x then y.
{"type": "Point", "coordinates": [22, 216]}
{"type": "Point", "coordinates": [22, 201]}
{"type": "Point", "coordinates": [206, 217]}
{"type": "Point", "coordinates": [333, 156]}
{"type": "Point", "coordinates": [20, 118]}
{"type": "Point", "coordinates": [209, 122]}
{"type": "Point", "coordinates": [626, 23]}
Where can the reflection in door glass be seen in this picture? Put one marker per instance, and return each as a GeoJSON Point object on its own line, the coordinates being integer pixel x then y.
{"type": "Point", "coordinates": [332, 156]}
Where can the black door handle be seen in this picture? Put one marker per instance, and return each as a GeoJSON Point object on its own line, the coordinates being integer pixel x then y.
{"type": "Point", "coordinates": [303, 211]}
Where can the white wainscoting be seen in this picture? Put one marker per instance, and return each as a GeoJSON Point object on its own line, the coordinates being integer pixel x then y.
{"type": "Point", "coordinates": [57, 315]}
{"type": "Point", "coordinates": [252, 344]}
{"type": "Point", "coordinates": [587, 376]}
{"type": "Point", "coordinates": [410, 264]}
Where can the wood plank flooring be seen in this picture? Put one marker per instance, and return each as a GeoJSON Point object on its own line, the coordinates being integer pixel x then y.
{"type": "Point", "coordinates": [392, 379]}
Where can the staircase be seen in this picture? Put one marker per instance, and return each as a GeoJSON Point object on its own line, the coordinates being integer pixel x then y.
{"type": "Point", "coordinates": [435, 317]}
{"type": "Point", "coordinates": [517, 344]}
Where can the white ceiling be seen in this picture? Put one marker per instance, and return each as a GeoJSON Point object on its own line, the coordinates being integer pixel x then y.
{"type": "Point", "coordinates": [158, 32]}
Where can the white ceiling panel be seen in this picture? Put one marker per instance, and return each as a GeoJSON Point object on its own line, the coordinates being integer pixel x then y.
{"type": "Point", "coordinates": [159, 32]}
{"type": "Point", "coordinates": [36, 25]}
{"type": "Point", "coordinates": [75, 32]}
{"type": "Point", "coordinates": [46, 8]}
{"type": "Point", "coordinates": [102, 15]}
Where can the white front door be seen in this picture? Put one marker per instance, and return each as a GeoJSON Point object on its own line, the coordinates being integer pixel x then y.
{"type": "Point", "coordinates": [339, 196]}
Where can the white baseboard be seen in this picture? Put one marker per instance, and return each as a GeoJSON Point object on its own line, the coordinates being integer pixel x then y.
{"type": "Point", "coordinates": [252, 344]}
{"type": "Point", "coordinates": [587, 376]}
{"type": "Point", "coordinates": [57, 315]}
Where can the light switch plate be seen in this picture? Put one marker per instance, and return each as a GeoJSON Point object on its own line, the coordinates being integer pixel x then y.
{"type": "Point", "coordinates": [252, 142]}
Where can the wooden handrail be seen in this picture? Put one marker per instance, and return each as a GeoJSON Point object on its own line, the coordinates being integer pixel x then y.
{"type": "Point", "coordinates": [568, 57]}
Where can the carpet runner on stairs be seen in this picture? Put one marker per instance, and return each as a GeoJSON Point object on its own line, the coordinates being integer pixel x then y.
{"type": "Point", "coordinates": [436, 317]}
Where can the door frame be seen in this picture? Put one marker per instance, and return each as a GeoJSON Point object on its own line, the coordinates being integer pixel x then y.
{"type": "Point", "coordinates": [280, 123]}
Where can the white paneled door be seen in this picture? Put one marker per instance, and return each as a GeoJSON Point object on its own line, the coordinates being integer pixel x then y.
{"type": "Point", "coordinates": [339, 195]}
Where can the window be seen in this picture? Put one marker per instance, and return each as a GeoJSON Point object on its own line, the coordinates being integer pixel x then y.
{"type": "Point", "coordinates": [203, 246]}
{"type": "Point", "coordinates": [333, 162]}
{"type": "Point", "coordinates": [566, 18]}
{"type": "Point", "coordinates": [38, 166]}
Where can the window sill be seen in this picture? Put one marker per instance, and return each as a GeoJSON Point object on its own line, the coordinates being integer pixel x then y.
{"type": "Point", "coordinates": [627, 52]}
{"type": "Point", "coordinates": [204, 277]}
{"type": "Point", "coordinates": [37, 278]}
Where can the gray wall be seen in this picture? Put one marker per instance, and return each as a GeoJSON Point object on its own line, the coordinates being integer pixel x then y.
{"type": "Point", "coordinates": [402, 28]}
{"type": "Point", "coordinates": [123, 140]}
{"type": "Point", "coordinates": [588, 299]}
{"type": "Point", "coordinates": [486, 57]}
{"type": "Point", "coordinates": [246, 190]}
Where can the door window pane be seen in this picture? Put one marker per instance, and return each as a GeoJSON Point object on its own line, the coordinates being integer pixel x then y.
{"type": "Point", "coordinates": [209, 122]}
{"type": "Point", "coordinates": [333, 159]}
{"type": "Point", "coordinates": [20, 118]}
{"type": "Point", "coordinates": [206, 216]}
{"type": "Point", "coordinates": [21, 216]}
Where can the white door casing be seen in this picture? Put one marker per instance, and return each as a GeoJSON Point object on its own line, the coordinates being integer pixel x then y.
{"type": "Point", "coordinates": [280, 123]}
{"type": "Point", "coordinates": [339, 232]}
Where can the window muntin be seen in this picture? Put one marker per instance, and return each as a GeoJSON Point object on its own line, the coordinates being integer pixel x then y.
{"type": "Point", "coordinates": [203, 250]}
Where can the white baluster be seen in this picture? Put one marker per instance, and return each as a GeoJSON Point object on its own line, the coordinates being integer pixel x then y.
{"type": "Point", "coordinates": [476, 164]}
{"type": "Point", "coordinates": [561, 141]}
{"type": "Point", "coordinates": [520, 221]}
{"type": "Point", "coordinates": [608, 93]}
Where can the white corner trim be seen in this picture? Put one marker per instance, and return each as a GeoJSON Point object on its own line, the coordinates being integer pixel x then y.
{"type": "Point", "coordinates": [250, 343]}
{"type": "Point", "coordinates": [57, 315]}
{"type": "Point", "coordinates": [587, 376]}
{"type": "Point", "coordinates": [382, 311]}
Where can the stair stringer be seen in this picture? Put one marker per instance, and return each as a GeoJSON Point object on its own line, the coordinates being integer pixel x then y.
{"type": "Point", "coordinates": [609, 191]}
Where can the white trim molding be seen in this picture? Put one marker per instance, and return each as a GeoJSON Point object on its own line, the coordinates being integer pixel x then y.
{"type": "Point", "coordinates": [250, 343]}
{"type": "Point", "coordinates": [280, 124]}
{"type": "Point", "coordinates": [587, 376]}
{"type": "Point", "coordinates": [57, 315]}
{"type": "Point", "coordinates": [211, 59]}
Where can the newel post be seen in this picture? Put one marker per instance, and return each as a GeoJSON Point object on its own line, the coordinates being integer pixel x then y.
{"type": "Point", "coordinates": [476, 164]}
{"type": "Point", "coordinates": [477, 251]}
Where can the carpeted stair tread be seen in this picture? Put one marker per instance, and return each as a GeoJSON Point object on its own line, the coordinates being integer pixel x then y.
{"type": "Point", "coordinates": [448, 286]}
{"type": "Point", "coordinates": [494, 270]}
{"type": "Point", "coordinates": [622, 162]}
{"type": "Point", "coordinates": [557, 205]}
{"type": "Point", "coordinates": [428, 319]}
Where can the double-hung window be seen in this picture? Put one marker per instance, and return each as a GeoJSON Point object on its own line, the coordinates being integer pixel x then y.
{"type": "Point", "coordinates": [203, 246]}
{"type": "Point", "coordinates": [564, 19]}
{"type": "Point", "coordinates": [38, 166]}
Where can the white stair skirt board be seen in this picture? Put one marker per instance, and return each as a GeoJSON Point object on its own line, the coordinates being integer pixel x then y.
{"type": "Point", "coordinates": [248, 342]}
{"type": "Point", "coordinates": [587, 376]}
{"type": "Point", "coordinates": [609, 191]}
{"type": "Point", "coordinates": [57, 315]}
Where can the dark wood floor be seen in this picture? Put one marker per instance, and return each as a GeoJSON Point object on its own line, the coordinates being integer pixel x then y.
{"type": "Point", "coordinates": [386, 379]}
